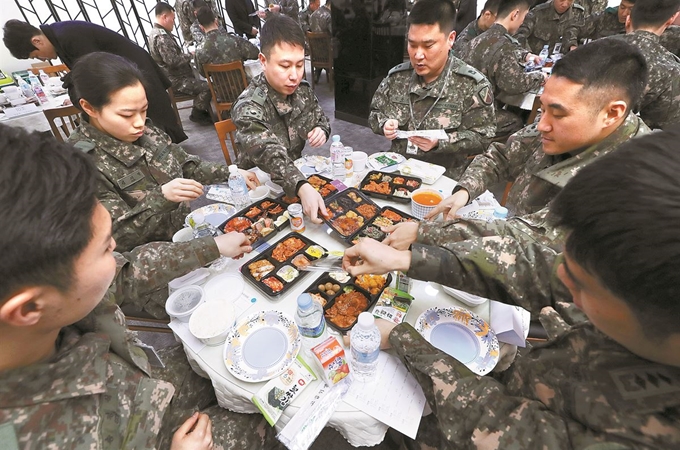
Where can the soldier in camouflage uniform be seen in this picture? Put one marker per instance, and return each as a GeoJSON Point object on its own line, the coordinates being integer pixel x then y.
{"type": "Point", "coordinates": [660, 106]}
{"type": "Point", "coordinates": [501, 59]}
{"type": "Point", "coordinates": [482, 23]}
{"type": "Point", "coordinates": [670, 39]}
{"type": "Point", "coordinates": [71, 374]}
{"type": "Point", "coordinates": [186, 15]}
{"type": "Point", "coordinates": [610, 22]}
{"type": "Point", "coordinates": [176, 64]}
{"type": "Point", "coordinates": [278, 112]}
{"type": "Point", "coordinates": [548, 24]}
{"type": "Point", "coordinates": [290, 8]}
{"type": "Point", "coordinates": [591, 7]}
{"type": "Point", "coordinates": [320, 21]}
{"type": "Point", "coordinates": [435, 90]}
{"type": "Point", "coordinates": [306, 13]}
{"type": "Point", "coordinates": [221, 47]}
{"type": "Point", "coordinates": [609, 374]}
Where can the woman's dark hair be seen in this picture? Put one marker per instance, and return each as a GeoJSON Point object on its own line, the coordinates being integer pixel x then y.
{"type": "Point", "coordinates": [98, 75]}
{"type": "Point", "coordinates": [47, 198]}
{"type": "Point", "coordinates": [17, 38]}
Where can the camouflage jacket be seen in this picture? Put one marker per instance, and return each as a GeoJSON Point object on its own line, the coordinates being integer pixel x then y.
{"type": "Point", "coordinates": [537, 177]}
{"type": "Point", "coordinates": [593, 6]}
{"type": "Point", "coordinates": [304, 16]}
{"type": "Point", "coordinates": [131, 178]}
{"type": "Point", "coordinates": [497, 55]}
{"type": "Point", "coordinates": [462, 42]}
{"type": "Point", "coordinates": [320, 20]}
{"type": "Point", "coordinates": [596, 26]}
{"type": "Point", "coordinates": [290, 8]}
{"type": "Point", "coordinates": [459, 101]}
{"type": "Point", "coordinates": [544, 26]}
{"type": "Point", "coordinates": [272, 129]}
{"type": "Point", "coordinates": [670, 39]}
{"type": "Point", "coordinates": [167, 53]}
{"type": "Point", "coordinates": [660, 106]}
{"type": "Point", "coordinates": [578, 390]}
{"type": "Point", "coordinates": [95, 391]}
{"type": "Point", "coordinates": [186, 17]}
{"type": "Point", "coordinates": [221, 47]}
{"type": "Point", "coordinates": [197, 33]}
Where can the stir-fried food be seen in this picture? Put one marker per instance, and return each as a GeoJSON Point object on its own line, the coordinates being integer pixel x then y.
{"type": "Point", "coordinates": [287, 248]}
{"type": "Point", "coordinates": [347, 308]}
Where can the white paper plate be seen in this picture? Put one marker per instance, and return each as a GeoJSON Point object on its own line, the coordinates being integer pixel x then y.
{"type": "Point", "coordinates": [261, 346]}
{"type": "Point", "coordinates": [461, 334]}
{"type": "Point", "coordinates": [215, 214]}
{"type": "Point", "coordinates": [225, 287]}
{"type": "Point", "coordinates": [374, 164]}
{"type": "Point", "coordinates": [468, 299]}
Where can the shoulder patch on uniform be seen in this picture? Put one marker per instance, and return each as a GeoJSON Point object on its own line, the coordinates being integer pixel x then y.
{"type": "Point", "coordinates": [469, 71]}
{"type": "Point", "coordinates": [84, 146]}
{"type": "Point", "coordinates": [577, 6]}
{"type": "Point", "coordinates": [485, 95]}
{"type": "Point", "coordinates": [645, 381]}
{"type": "Point", "coordinates": [259, 96]}
{"type": "Point", "coordinates": [399, 68]}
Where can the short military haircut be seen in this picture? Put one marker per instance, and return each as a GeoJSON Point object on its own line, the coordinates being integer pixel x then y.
{"type": "Point", "coordinates": [205, 16]}
{"type": "Point", "coordinates": [492, 6]}
{"type": "Point", "coordinates": [48, 198]}
{"type": "Point", "coordinates": [280, 29]}
{"type": "Point", "coordinates": [17, 38]}
{"type": "Point", "coordinates": [430, 12]}
{"type": "Point", "coordinates": [162, 8]}
{"type": "Point", "coordinates": [653, 12]}
{"type": "Point", "coordinates": [621, 213]}
{"type": "Point", "coordinates": [610, 66]}
{"type": "Point", "coordinates": [505, 7]}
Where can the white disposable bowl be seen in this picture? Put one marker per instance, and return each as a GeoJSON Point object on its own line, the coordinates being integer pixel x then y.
{"type": "Point", "coordinates": [212, 321]}
{"type": "Point", "coordinates": [419, 210]}
{"type": "Point", "coordinates": [183, 235]}
{"type": "Point", "coordinates": [183, 302]}
{"type": "Point", "coordinates": [359, 160]}
{"type": "Point", "coordinates": [258, 193]}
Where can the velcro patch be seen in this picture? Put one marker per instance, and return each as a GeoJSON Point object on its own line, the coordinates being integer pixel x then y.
{"type": "Point", "coordinates": [485, 95]}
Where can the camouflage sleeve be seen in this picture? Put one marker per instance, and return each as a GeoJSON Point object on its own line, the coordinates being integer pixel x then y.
{"type": "Point", "coordinates": [246, 49]}
{"type": "Point", "coordinates": [184, 15]}
{"type": "Point", "coordinates": [150, 267]}
{"type": "Point", "coordinates": [202, 57]}
{"type": "Point", "coordinates": [664, 110]}
{"type": "Point", "coordinates": [577, 31]}
{"type": "Point", "coordinates": [512, 78]}
{"type": "Point", "coordinates": [526, 29]}
{"type": "Point", "coordinates": [500, 162]}
{"type": "Point", "coordinates": [380, 107]}
{"type": "Point", "coordinates": [489, 262]}
{"type": "Point", "coordinates": [197, 34]}
{"type": "Point", "coordinates": [204, 172]}
{"type": "Point", "coordinates": [168, 52]}
{"type": "Point", "coordinates": [263, 147]}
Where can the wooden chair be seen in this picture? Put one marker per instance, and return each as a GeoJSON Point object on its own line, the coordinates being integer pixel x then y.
{"type": "Point", "coordinates": [226, 128]}
{"type": "Point", "coordinates": [62, 121]}
{"type": "Point", "coordinates": [226, 82]}
{"type": "Point", "coordinates": [179, 98]}
{"type": "Point", "coordinates": [54, 71]}
{"type": "Point", "coordinates": [147, 324]}
{"type": "Point", "coordinates": [321, 54]}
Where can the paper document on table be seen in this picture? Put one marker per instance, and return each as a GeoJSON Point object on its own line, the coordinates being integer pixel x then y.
{"type": "Point", "coordinates": [509, 322]}
{"type": "Point", "coordinates": [430, 134]}
{"type": "Point", "coordinates": [396, 399]}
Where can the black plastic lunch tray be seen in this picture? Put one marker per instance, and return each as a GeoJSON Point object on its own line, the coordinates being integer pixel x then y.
{"type": "Point", "coordinates": [278, 265]}
{"type": "Point", "coordinates": [330, 299]}
{"type": "Point", "coordinates": [352, 201]}
{"type": "Point", "coordinates": [384, 218]}
{"type": "Point", "coordinates": [407, 186]}
{"type": "Point", "coordinates": [319, 183]}
{"type": "Point", "coordinates": [264, 213]}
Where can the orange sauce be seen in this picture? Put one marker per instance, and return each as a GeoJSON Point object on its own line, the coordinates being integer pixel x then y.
{"type": "Point", "coordinates": [427, 198]}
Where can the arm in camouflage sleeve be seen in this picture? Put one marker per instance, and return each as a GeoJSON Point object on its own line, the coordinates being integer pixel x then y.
{"type": "Point", "coordinates": [512, 79]}
{"type": "Point", "coordinates": [664, 110]}
{"type": "Point", "coordinates": [477, 411]}
{"type": "Point", "coordinates": [380, 105]}
{"type": "Point", "coordinates": [246, 49]}
{"type": "Point", "coordinates": [526, 29]}
{"type": "Point", "coordinates": [202, 171]}
{"type": "Point", "coordinates": [167, 50]}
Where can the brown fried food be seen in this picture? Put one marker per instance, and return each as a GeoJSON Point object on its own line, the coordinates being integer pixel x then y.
{"type": "Point", "coordinates": [326, 190]}
{"type": "Point", "coordinates": [371, 283]}
{"type": "Point", "coordinates": [287, 248]}
{"type": "Point", "coordinates": [253, 212]}
{"type": "Point", "coordinates": [278, 209]}
{"type": "Point", "coordinates": [347, 308]}
{"type": "Point", "coordinates": [348, 224]}
{"type": "Point", "coordinates": [316, 182]}
{"type": "Point", "coordinates": [366, 210]}
{"type": "Point", "coordinates": [260, 268]}
{"type": "Point", "coordinates": [380, 188]}
{"type": "Point", "coordinates": [237, 224]}
{"type": "Point", "coordinates": [394, 217]}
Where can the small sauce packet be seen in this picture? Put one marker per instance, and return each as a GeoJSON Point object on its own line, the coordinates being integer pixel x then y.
{"type": "Point", "coordinates": [280, 392]}
{"type": "Point", "coordinates": [330, 357]}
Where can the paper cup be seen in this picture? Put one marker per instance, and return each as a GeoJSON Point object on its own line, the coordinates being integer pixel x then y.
{"type": "Point", "coordinates": [359, 160]}
{"type": "Point", "coordinates": [258, 193]}
{"type": "Point", "coordinates": [421, 205]}
{"type": "Point", "coordinates": [183, 302]}
{"type": "Point", "coordinates": [212, 321]}
{"type": "Point", "coordinates": [183, 235]}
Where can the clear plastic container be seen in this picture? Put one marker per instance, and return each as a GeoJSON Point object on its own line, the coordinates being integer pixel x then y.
{"type": "Point", "coordinates": [338, 158]}
{"type": "Point", "coordinates": [365, 348]}
{"type": "Point", "coordinates": [238, 187]}
{"type": "Point", "coordinates": [311, 322]}
{"type": "Point", "coordinates": [544, 54]}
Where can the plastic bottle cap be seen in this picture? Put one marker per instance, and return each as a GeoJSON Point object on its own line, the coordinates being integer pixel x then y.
{"type": "Point", "coordinates": [336, 138]}
{"type": "Point", "coordinates": [233, 168]}
{"type": "Point", "coordinates": [366, 320]}
{"type": "Point", "coordinates": [304, 301]}
{"type": "Point", "coordinates": [500, 211]}
{"type": "Point", "coordinates": [198, 217]}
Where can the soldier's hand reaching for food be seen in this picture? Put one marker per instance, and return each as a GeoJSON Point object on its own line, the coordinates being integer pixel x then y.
{"type": "Point", "coordinates": [182, 189]}
{"type": "Point", "coordinates": [312, 203]}
{"type": "Point", "coordinates": [371, 256]}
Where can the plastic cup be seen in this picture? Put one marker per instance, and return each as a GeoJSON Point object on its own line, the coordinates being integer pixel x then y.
{"type": "Point", "coordinates": [423, 201]}
{"type": "Point", "coordinates": [183, 235]}
{"type": "Point", "coordinates": [183, 302]}
{"type": "Point", "coordinates": [359, 159]}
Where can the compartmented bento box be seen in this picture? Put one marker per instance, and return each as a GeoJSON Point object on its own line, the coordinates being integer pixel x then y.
{"type": "Point", "coordinates": [349, 211]}
{"type": "Point", "coordinates": [260, 221]}
{"type": "Point", "coordinates": [389, 186]}
{"type": "Point", "coordinates": [322, 184]}
{"type": "Point", "coordinates": [386, 217]}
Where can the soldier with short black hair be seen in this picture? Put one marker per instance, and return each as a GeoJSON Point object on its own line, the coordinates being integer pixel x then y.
{"type": "Point", "coordinates": [547, 24]}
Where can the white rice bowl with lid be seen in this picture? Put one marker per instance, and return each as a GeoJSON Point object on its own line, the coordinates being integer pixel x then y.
{"type": "Point", "coordinates": [211, 322]}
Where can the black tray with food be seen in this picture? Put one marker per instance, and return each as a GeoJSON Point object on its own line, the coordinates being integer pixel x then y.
{"type": "Point", "coordinates": [259, 221]}
{"type": "Point", "coordinates": [344, 297]}
{"type": "Point", "coordinates": [389, 186]}
{"type": "Point", "coordinates": [320, 183]}
{"type": "Point", "coordinates": [386, 217]}
{"type": "Point", "coordinates": [349, 211]}
{"type": "Point", "coordinates": [277, 269]}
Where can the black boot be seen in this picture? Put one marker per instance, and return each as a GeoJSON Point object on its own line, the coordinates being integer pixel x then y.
{"type": "Point", "coordinates": [200, 116]}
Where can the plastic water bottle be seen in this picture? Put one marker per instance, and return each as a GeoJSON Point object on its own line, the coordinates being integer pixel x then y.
{"type": "Point", "coordinates": [201, 227]}
{"type": "Point", "coordinates": [365, 347]}
{"type": "Point", "coordinates": [311, 322]}
{"type": "Point", "coordinates": [544, 54]}
{"type": "Point", "coordinates": [237, 185]}
{"type": "Point", "coordinates": [37, 88]}
{"type": "Point", "coordinates": [500, 213]}
{"type": "Point", "coordinates": [349, 164]}
{"type": "Point", "coordinates": [25, 88]}
{"type": "Point", "coordinates": [338, 158]}
{"type": "Point", "coordinates": [44, 77]}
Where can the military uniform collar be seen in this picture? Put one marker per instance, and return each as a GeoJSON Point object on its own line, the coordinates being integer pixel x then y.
{"type": "Point", "coordinates": [647, 35]}
{"type": "Point", "coordinates": [282, 103]}
{"type": "Point", "coordinates": [159, 27]}
{"type": "Point", "coordinates": [433, 88]}
{"type": "Point", "coordinates": [214, 32]}
{"type": "Point", "coordinates": [126, 153]}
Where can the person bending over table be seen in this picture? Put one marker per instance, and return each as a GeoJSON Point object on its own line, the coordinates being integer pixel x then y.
{"type": "Point", "coordinates": [434, 90]}
{"type": "Point", "coordinates": [278, 112]}
{"type": "Point", "coordinates": [609, 374]}
{"type": "Point", "coordinates": [586, 114]}
{"type": "Point", "coordinates": [71, 374]}
{"type": "Point", "coordinates": [147, 181]}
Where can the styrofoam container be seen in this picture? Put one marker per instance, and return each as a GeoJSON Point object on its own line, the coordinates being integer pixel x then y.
{"type": "Point", "coordinates": [211, 322]}
{"type": "Point", "coordinates": [183, 302]}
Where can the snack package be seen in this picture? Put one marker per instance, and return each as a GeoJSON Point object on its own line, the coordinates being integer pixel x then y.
{"type": "Point", "coordinates": [280, 392]}
{"type": "Point", "coordinates": [393, 305]}
{"type": "Point", "coordinates": [330, 357]}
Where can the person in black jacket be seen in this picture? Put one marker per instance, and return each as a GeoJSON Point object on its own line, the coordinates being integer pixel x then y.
{"type": "Point", "coordinates": [70, 40]}
{"type": "Point", "coordinates": [239, 12]}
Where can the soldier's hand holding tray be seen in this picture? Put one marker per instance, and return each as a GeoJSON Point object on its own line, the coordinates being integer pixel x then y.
{"type": "Point", "coordinates": [450, 205]}
{"type": "Point", "coordinates": [233, 245]}
{"type": "Point", "coordinates": [182, 189]}
{"type": "Point", "coordinates": [194, 434]}
{"type": "Point", "coordinates": [312, 203]}
{"type": "Point", "coordinates": [401, 235]}
{"type": "Point", "coordinates": [371, 256]}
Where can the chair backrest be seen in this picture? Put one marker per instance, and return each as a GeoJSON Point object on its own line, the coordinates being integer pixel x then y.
{"type": "Point", "coordinates": [62, 120]}
{"type": "Point", "coordinates": [226, 82]}
{"type": "Point", "coordinates": [226, 128]}
{"type": "Point", "coordinates": [320, 50]}
{"type": "Point", "coordinates": [59, 70]}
